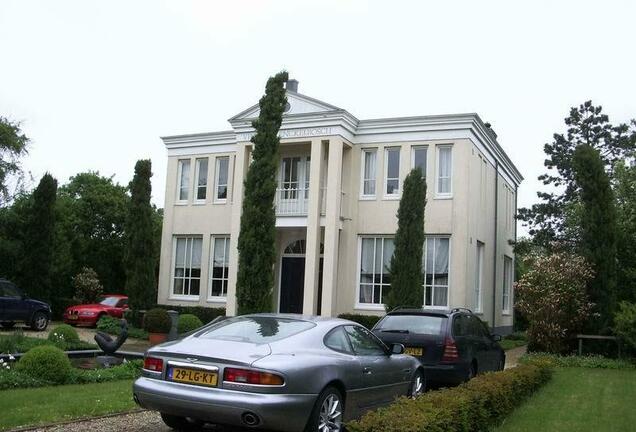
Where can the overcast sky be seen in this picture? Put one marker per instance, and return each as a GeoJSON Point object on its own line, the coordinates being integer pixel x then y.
{"type": "Point", "coordinates": [95, 84]}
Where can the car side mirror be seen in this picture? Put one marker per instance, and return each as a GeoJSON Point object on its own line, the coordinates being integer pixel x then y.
{"type": "Point", "coordinates": [397, 348]}
{"type": "Point", "coordinates": [496, 337]}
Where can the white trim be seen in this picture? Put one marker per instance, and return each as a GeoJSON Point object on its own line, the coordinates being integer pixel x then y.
{"type": "Point", "coordinates": [428, 237]}
{"type": "Point", "coordinates": [510, 274]}
{"type": "Point", "coordinates": [386, 195]}
{"type": "Point", "coordinates": [479, 277]}
{"type": "Point", "coordinates": [416, 147]}
{"type": "Point", "coordinates": [180, 163]}
{"type": "Point", "coordinates": [197, 168]}
{"type": "Point", "coordinates": [213, 237]}
{"type": "Point", "coordinates": [438, 194]}
{"type": "Point", "coordinates": [363, 154]}
{"type": "Point", "coordinates": [171, 294]}
{"type": "Point", "coordinates": [217, 171]}
{"type": "Point", "coordinates": [375, 237]}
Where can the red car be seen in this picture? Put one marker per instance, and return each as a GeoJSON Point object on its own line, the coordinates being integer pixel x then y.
{"type": "Point", "coordinates": [88, 314]}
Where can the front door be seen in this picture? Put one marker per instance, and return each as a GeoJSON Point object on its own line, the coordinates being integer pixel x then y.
{"type": "Point", "coordinates": [292, 281]}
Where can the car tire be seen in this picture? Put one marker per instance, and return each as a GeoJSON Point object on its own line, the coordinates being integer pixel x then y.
{"type": "Point", "coordinates": [7, 324]}
{"type": "Point", "coordinates": [39, 322]}
{"type": "Point", "coordinates": [472, 371]}
{"type": "Point", "coordinates": [329, 407]}
{"type": "Point", "coordinates": [418, 384]}
{"type": "Point", "coordinates": [180, 423]}
{"type": "Point", "coordinates": [502, 363]}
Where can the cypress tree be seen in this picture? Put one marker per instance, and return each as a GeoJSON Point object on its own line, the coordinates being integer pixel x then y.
{"type": "Point", "coordinates": [35, 268]}
{"type": "Point", "coordinates": [406, 262]}
{"type": "Point", "coordinates": [141, 283]}
{"type": "Point", "coordinates": [256, 242]}
{"type": "Point", "coordinates": [598, 230]}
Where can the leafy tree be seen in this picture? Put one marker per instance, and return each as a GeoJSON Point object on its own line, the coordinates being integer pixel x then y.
{"type": "Point", "coordinates": [406, 262]}
{"type": "Point", "coordinates": [141, 282]}
{"type": "Point", "coordinates": [598, 230]}
{"type": "Point", "coordinates": [625, 192]}
{"type": "Point", "coordinates": [257, 237]}
{"type": "Point", "coordinates": [587, 125]}
{"type": "Point", "coordinates": [13, 145]}
{"type": "Point", "coordinates": [37, 253]}
{"type": "Point", "coordinates": [625, 325]}
{"type": "Point", "coordinates": [552, 296]}
{"type": "Point", "coordinates": [87, 286]}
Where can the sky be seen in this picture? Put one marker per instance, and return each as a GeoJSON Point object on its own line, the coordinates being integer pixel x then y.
{"type": "Point", "coordinates": [96, 83]}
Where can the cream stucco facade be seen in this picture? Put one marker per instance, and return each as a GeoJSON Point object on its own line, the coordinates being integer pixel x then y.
{"type": "Point", "coordinates": [339, 188]}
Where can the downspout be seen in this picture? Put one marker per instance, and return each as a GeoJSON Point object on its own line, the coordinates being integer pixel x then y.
{"type": "Point", "coordinates": [494, 271]}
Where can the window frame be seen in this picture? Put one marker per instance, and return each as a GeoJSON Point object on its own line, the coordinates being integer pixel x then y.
{"type": "Point", "coordinates": [211, 278]}
{"type": "Point", "coordinates": [185, 297]}
{"type": "Point", "coordinates": [363, 180]}
{"type": "Point", "coordinates": [180, 163]}
{"type": "Point", "coordinates": [217, 173]}
{"type": "Point", "coordinates": [386, 195]}
{"type": "Point", "coordinates": [358, 304]}
{"type": "Point", "coordinates": [506, 292]}
{"type": "Point", "coordinates": [448, 286]}
{"type": "Point", "coordinates": [197, 186]}
{"type": "Point", "coordinates": [479, 276]}
{"type": "Point", "coordinates": [415, 148]}
{"type": "Point", "coordinates": [438, 194]}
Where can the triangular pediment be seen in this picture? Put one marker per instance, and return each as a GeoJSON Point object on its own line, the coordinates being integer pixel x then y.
{"type": "Point", "coordinates": [298, 104]}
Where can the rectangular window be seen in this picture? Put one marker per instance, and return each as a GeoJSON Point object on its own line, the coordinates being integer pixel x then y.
{"type": "Point", "coordinates": [184, 179]}
{"type": "Point", "coordinates": [392, 171]}
{"type": "Point", "coordinates": [202, 179]}
{"type": "Point", "coordinates": [375, 259]}
{"type": "Point", "coordinates": [220, 188]}
{"type": "Point", "coordinates": [187, 266]}
{"type": "Point", "coordinates": [479, 273]}
{"type": "Point", "coordinates": [368, 172]}
{"type": "Point", "coordinates": [444, 171]}
{"type": "Point", "coordinates": [436, 265]}
{"type": "Point", "coordinates": [418, 158]}
{"type": "Point", "coordinates": [290, 184]}
{"type": "Point", "coordinates": [507, 285]}
{"type": "Point", "coordinates": [219, 266]}
{"type": "Point", "coordinates": [307, 172]}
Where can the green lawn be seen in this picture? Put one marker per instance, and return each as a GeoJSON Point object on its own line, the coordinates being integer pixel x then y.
{"type": "Point", "coordinates": [24, 407]}
{"type": "Point", "coordinates": [581, 400]}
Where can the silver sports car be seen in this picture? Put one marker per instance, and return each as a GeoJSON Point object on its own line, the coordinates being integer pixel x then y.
{"type": "Point", "coordinates": [275, 372]}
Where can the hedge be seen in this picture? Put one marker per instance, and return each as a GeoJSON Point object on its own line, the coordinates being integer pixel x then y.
{"type": "Point", "coordinates": [588, 361]}
{"type": "Point", "coordinates": [473, 406]}
{"type": "Point", "coordinates": [111, 325]}
{"type": "Point", "coordinates": [203, 313]}
{"type": "Point", "coordinates": [366, 320]}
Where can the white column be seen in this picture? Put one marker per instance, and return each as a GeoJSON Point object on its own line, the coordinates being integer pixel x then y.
{"type": "Point", "coordinates": [241, 166]}
{"type": "Point", "coordinates": [312, 253]}
{"type": "Point", "coordinates": [332, 225]}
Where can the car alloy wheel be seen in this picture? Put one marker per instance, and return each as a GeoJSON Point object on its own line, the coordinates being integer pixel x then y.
{"type": "Point", "coordinates": [40, 321]}
{"type": "Point", "coordinates": [418, 385]}
{"type": "Point", "coordinates": [330, 419]}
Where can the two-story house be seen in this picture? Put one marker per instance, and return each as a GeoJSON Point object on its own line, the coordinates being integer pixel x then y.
{"type": "Point", "coordinates": [339, 186]}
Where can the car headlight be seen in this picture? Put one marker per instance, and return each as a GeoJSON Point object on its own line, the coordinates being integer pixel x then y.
{"type": "Point", "coordinates": [87, 313]}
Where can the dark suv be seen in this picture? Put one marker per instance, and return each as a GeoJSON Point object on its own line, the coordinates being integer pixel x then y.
{"type": "Point", "coordinates": [452, 345]}
{"type": "Point", "coordinates": [15, 306]}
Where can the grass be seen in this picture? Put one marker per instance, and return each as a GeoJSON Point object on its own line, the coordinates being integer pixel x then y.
{"type": "Point", "coordinates": [579, 399]}
{"type": "Point", "coordinates": [31, 407]}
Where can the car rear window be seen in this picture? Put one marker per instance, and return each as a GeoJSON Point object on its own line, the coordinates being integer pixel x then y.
{"type": "Point", "coordinates": [420, 324]}
{"type": "Point", "coordinates": [255, 329]}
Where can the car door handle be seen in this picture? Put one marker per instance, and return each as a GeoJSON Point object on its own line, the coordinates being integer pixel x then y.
{"type": "Point", "coordinates": [367, 371]}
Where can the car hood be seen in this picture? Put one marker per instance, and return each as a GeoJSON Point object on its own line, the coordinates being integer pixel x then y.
{"type": "Point", "coordinates": [93, 307]}
{"type": "Point", "coordinates": [213, 350]}
{"type": "Point", "coordinates": [39, 303]}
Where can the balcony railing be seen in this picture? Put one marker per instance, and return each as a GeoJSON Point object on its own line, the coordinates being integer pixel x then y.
{"type": "Point", "coordinates": [295, 202]}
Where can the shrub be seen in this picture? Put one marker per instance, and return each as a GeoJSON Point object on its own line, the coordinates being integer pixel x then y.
{"type": "Point", "coordinates": [205, 314]}
{"type": "Point", "coordinates": [112, 326]}
{"type": "Point", "coordinates": [47, 363]}
{"type": "Point", "coordinates": [127, 370]}
{"type": "Point", "coordinates": [552, 295]}
{"type": "Point", "coordinates": [366, 320]}
{"type": "Point", "coordinates": [157, 321]}
{"type": "Point", "coordinates": [476, 405]}
{"type": "Point", "coordinates": [625, 325]}
{"type": "Point", "coordinates": [63, 335]}
{"type": "Point", "coordinates": [10, 379]}
{"type": "Point", "coordinates": [592, 361]}
{"type": "Point", "coordinates": [188, 322]}
{"type": "Point", "coordinates": [88, 289]}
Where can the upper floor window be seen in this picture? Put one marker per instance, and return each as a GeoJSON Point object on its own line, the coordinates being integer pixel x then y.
{"type": "Point", "coordinates": [219, 266]}
{"type": "Point", "coordinates": [375, 260]}
{"type": "Point", "coordinates": [479, 274]}
{"type": "Point", "coordinates": [444, 171]}
{"type": "Point", "coordinates": [507, 285]}
{"type": "Point", "coordinates": [187, 266]}
{"type": "Point", "coordinates": [202, 179]}
{"type": "Point", "coordinates": [418, 158]}
{"type": "Point", "coordinates": [392, 171]}
{"type": "Point", "coordinates": [368, 172]}
{"type": "Point", "coordinates": [436, 268]}
{"type": "Point", "coordinates": [220, 188]}
{"type": "Point", "coordinates": [184, 179]}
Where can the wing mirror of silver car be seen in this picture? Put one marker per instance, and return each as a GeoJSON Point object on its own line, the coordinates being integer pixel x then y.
{"type": "Point", "coordinates": [397, 348]}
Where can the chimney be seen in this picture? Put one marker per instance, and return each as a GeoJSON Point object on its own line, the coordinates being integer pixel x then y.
{"type": "Point", "coordinates": [292, 85]}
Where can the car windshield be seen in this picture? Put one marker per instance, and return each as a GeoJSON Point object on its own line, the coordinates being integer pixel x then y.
{"type": "Point", "coordinates": [109, 301]}
{"type": "Point", "coordinates": [420, 324]}
{"type": "Point", "coordinates": [255, 329]}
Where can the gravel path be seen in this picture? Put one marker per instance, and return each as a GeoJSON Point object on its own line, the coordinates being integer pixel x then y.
{"type": "Point", "coordinates": [512, 356]}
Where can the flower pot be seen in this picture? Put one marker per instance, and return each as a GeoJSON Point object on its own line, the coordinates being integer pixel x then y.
{"type": "Point", "coordinates": [157, 338]}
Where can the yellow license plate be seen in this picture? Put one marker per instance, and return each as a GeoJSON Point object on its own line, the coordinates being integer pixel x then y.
{"type": "Point", "coordinates": [192, 376]}
{"type": "Point", "coordinates": [414, 351]}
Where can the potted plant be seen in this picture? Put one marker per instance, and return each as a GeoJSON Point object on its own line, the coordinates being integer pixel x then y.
{"type": "Point", "coordinates": [157, 323]}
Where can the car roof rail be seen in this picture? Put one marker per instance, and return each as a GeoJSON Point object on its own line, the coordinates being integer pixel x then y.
{"type": "Point", "coordinates": [402, 307]}
{"type": "Point", "coordinates": [459, 309]}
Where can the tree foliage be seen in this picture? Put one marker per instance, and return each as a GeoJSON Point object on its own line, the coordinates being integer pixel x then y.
{"type": "Point", "coordinates": [13, 145]}
{"type": "Point", "coordinates": [598, 230]}
{"type": "Point", "coordinates": [406, 262]}
{"type": "Point", "coordinates": [552, 296]}
{"type": "Point", "coordinates": [140, 254]}
{"type": "Point", "coordinates": [625, 325]}
{"type": "Point", "coordinates": [256, 243]}
{"type": "Point", "coordinates": [88, 289]}
{"type": "Point", "coordinates": [625, 193]}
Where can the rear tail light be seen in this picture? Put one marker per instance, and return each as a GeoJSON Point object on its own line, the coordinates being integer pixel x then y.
{"type": "Point", "coordinates": [450, 351]}
{"type": "Point", "coordinates": [153, 364]}
{"type": "Point", "coordinates": [246, 376]}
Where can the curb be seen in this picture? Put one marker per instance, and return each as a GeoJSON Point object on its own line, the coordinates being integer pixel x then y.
{"type": "Point", "coordinates": [79, 420]}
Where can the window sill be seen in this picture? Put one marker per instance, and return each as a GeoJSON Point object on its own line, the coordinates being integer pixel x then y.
{"type": "Point", "coordinates": [369, 307]}
{"type": "Point", "coordinates": [184, 298]}
{"type": "Point", "coordinates": [506, 313]}
{"type": "Point", "coordinates": [367, 197]}
{"type": "Point", "coordinates": [443, 197]}
{"type": "Point", "coordinates": [181, 203]}
{"type": "Point", "coordinates": [219, 202]}
{"type": "Point", "coordinates": [391, 197]}
{"type": "Point", "coordinates": [199, 203]}
{"type": "Point", "coordinates": [436, 307]}
{"type": "Point", "coordinates": [216, 300]}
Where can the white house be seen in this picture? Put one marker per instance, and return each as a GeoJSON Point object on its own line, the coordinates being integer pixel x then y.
{"type": "Point", "coordinates": [340, 180]}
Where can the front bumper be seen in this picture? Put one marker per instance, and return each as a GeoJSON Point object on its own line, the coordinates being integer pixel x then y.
{"type": "Point", "coordinates": [283, 412]}
{"type": "Point", "coordinates": [81, 320]}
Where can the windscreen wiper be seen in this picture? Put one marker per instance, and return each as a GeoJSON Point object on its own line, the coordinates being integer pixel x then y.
{"type": "Point", "coordinates": [395, 331]}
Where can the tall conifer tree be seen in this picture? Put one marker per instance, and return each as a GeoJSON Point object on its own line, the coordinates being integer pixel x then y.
{"type": "Point", "coordinates": [256, 243]}
{"type": "Point", "coordinates": [406, 262]}
{"type": "Point", "coordinates": [141, 283]}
